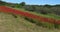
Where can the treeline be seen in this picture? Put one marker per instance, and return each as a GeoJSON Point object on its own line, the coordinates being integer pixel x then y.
{"type": "Point", "coordinates": [3, 3]}
{"type": "Point", "coordinates": [43, 9]}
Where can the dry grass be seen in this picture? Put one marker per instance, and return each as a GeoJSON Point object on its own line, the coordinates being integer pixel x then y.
{"type": "Point", "coordinates": [10, 24]}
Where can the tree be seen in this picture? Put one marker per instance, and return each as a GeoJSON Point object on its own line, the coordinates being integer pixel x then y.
{"type": "Point", "coordinates": [2, 2]}
{"type": "Point", "coordinates": [22, 4]}
{"type": "Point", "coordinates": [47, 6]}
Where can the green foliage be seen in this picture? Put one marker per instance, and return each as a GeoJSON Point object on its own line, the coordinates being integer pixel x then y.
{"type": "Point", "coordinates": [43, 9]}
{"type": "Point", "coordinates": [22, 4]}
{"type": "Point", "coordinates": [2, 2]}
{"type": "Point", "coordinates": [43, 24]}
{"type": "Point", "coordinates": [31, 20]}
{"type": "Point", "coordinates": [14, 16]}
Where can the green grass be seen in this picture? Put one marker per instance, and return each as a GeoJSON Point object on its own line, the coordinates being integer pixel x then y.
{"type": "Point", "coordinates": [43, 24]}
{"type": "Point", "coordinates": [46, 15]}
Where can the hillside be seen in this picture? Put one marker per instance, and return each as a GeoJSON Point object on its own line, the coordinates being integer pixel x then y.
{"type": "Point", "coordinates": [8, 23]}
{"type": "Point", "coordinates": [20, 17]}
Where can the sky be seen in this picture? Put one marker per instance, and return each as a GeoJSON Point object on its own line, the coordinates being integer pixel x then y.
{"type": "Point", "coordinates": [35, 2]}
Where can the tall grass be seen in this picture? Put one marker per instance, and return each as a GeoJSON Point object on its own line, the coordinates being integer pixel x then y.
{"type": "Point", "coordinates": [43, 24]}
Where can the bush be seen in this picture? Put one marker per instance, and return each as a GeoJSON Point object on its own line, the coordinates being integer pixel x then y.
{"type": "Point", "coordinates": [14, 16]}
{"type": "Point", "coordinates": [31, 20]}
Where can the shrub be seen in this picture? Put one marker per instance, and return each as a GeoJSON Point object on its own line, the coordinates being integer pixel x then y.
{"type": "Point", "coordinates": [31, 20]}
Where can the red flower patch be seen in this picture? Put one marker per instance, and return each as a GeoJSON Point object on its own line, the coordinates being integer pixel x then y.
{"type": "Point", "coordinates": [14, 11]}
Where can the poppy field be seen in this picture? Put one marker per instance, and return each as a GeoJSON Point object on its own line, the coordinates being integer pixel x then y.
{"type": "Point", "coordinates": [40, 18]}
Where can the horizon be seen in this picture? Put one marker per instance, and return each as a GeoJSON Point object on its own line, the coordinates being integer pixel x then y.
{"type": "Point", "coordinates": [34, 2]}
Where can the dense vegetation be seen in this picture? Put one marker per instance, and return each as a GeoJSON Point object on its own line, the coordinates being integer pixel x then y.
{"type": "Point", "coordinates": [43, 9]}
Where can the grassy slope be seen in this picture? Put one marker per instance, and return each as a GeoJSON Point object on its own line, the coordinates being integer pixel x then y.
{"type": "Point", "coordinates": [9, 23]}
{"type": "Point", "coordinates": [48, 15]}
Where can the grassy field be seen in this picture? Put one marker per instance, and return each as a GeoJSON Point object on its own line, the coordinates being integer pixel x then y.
{"type": "Point", "coordinates": [8, 23]}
